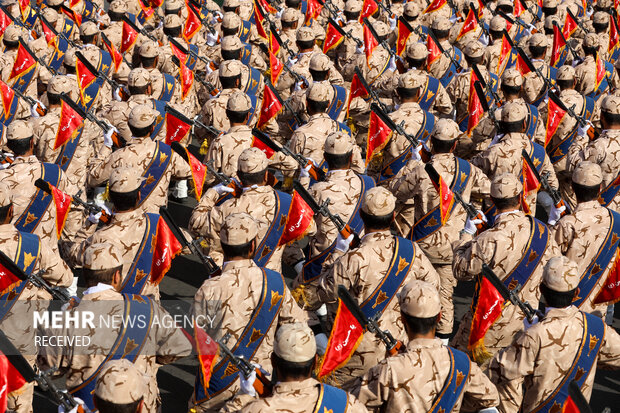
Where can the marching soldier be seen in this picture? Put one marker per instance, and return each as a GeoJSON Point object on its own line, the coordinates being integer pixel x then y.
{"type": "Point", "coordinates": [290, 19]}
{"type": "Point", "coordinates": [534, 87]}
{"type": "Point", "coordinates": [444, 68]}
{"type": "Point", "coordinates": [589, 82]}
{"type": "Point", "coordinates": [164, 86]}
{"type": "Point", "coordinates": [26, 81]}
{"type": "Point", "coordinates": [492, 52]}
{"type": "Point", "coordinates": [379, 66]}
{"type": "Point", "coordinates": [533, 373]}
{"type": "Point", "coordinates": [345, 52]}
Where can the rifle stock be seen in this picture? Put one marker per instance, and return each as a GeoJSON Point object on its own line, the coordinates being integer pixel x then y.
{"type": "Point", "coordinates": [262, 384]}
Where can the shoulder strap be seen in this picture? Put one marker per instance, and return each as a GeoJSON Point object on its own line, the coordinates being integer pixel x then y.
{"type": "Point", "coordinates": [269, 243]}
{"type": "Point", "coordinates": [30, 219]}
{"type": "Point", "coordinates": [155, 170]}
{"type": "Point", "coordinates": [331, 399]}
{"type": "Point", "coordinates": [140, 271]}
{"type": "Point", "coordinates": [455, 382]}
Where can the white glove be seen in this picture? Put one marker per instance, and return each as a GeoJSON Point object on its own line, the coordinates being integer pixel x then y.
{"type": "Point", "coordinates": [107, 137]}
{"type": "Point", "coordinates": [392, 65]}
{"type": "Point", "coordinates": [222, 189]}
{"type": "Point", "coordinates": [496, 139]}
{"type": "Point", "coordinates": [299, 266]}
{"type": "Point", "coordinates": [392, 21]}
{"type": "Point", "coordinates": [555, 214]}
{"type": "Point", "coordinates": [117, 95]}
{"type": "Point", "coordinates": [212, 39]}
{"type": "Point", "coordinates": [94, 218]}
{"type": "Point", "coordinates": [343, 244]}
{"type": "Point", "coordinates": [75, 409]}
{"type": "Point", "coordinates": [359, 49]}
{"type": "Point", "coordinates": [527, 324]}
{"type": "Point", "coordinates": [291, 61]}
{"type": "Point", "coordinates": [488, 410]}
{"type": "Point", "coordinates": [305, 172]}
{"type": "Point", "coordinates": [470, 224]}
{"type": "Point", "coordinates": [583, 130]}
{"type": "Point", "coordinates": [298, 86]}
{"type": "Point", "coordinates": [33, 109]}
{"type": "Point", "coordinates": [453, 19]}
{"type": "Point", "coordinates": [247, 385]}
{"type": "Point", "coordinates": [415, 155]}
{"type": "Point", "coordinates": [321, 343]}
{"type": "Point", "coordinates": [484, 39]}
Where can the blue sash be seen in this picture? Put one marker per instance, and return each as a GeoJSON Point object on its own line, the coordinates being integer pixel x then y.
{"type": "Point", "coordinates": [253, 109]}
{"type": "Point", "coordinates": [431, 222]}
{"type": "Point", "coordinates": [68, 150]}
{"type": "Point", "coordinates": [604, 85]}
{"type": "Point", "coordinates": [8, 117]}
{"type": "Point", "coordinates": [26, 258]}
{"type": "Point", "coordinates": [562, 58]}
{"type": "Point", "coordinates": [22, 81]}
{"type": "Point", "coordinates": [532, 121]}
{"type": "Point", "coordinates": [340, 97]}
{"type": "Point", "coordinates": [585, 359]}
{"type": "Point", "coordinates": [167, 90]}
{"type": "Point", "coordinates": [191, 60]}
{"type": "Point", "coordinates": [404, 254]}
{"type": "Point", "coordinates": [244, 30]}
{"type": "Point", "coordinates": [322, 166]}
{"type": "Point", "coordinates": [455, 382]}
{"type": "Point", "coordinates": [159, 106]}
{"type": "Point", "coordinates": [128, 344]}
{"type": "Point", "coordinates": [447, 77]}
{"type": "Point", "coordinates": [552, 73]}
{"type": "Point", "coordinates": [429, 94]}
{"type": "Point", "coordinates": [31, 17]}
{"type": "Point", "coordinates": [312, 268]}
{"type": "Point", "coordinates": [138, 274]}
{"type": "Point", "coordinates": [224, 372]}
{"type": "Point", "coordinates": [609, 193]}
{"type": "Point", "coordinates": [615, 54]}
{"type": "Point", "coordinates": [270, 242]}
{"type": "Point", "coordinates": [603, 257]}
{"type": "Point", "coordinates": [331, 399]}
{"type": "Point", "coordinates": [68, 28]}
{"type": "Point", "coordinates": [246, 54]}
{"type": "Point", "coordinates": [251, 88]}
{"type": "Point", "coordinates": [30, 219]}
{"type": "Point", "coordinates": [88, 10]}
{"type": "Point", "coordinates": [559, 151]}
{"type": "Point", "coordinates": [155, 170]}
{"type": "Point", "coordinates": [58, 53]}
{"type": "Point", "coordinates": [389, 170]}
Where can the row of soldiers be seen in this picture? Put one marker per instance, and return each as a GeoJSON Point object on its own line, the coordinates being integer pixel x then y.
{"type": "Point", "coordinates": [384, 230]}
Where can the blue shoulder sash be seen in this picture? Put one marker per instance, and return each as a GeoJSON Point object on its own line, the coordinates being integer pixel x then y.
{"type": "Point", "coordinates": [244, 31]}
{"type": "Point", "coordinates": [532, 121]}
{"type": "Point", "coordinates": [251, 87]}
{"type": "Point", "coordinates": [160, 107]}
{"type": "Point", "coordinates": [140, 271]}
{"type": "Point", "coordinates": [59, 48]}
{"type": "Point", "coordinates": [269, 243]}
{"type": "Point", "coordinates": [167, 90]}
{"type": "Point", "coordinates": [30, 219]}
{"type": "Point", "coordinates": [455, 382]}
{"type": "Point", "coordinates": [155, 170]}
{"type": "Point", "coordinates": [337, 104]}
{"type": "Point", "coordinates": [604, 85]}
{"type": "Point", "coordinates": [447, 77]}
{"type": "Point", "coordinates": [429, 94]}
{"type": "Point", "coordinates": [331, 399]}
{"type": "Point", "coordinates": [68, 150]}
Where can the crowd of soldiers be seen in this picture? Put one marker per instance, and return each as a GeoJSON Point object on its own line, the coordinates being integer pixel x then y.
{"type": "Point", "coordinates": [479, 97]}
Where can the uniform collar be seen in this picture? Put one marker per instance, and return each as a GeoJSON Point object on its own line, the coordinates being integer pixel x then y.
{"type": "Point", "coordinates": [566, 312]}
{"type": "Point", "coordinates": [588, 205]}
{"type": "Point", "coordinates": [290, 386]}
{"type": "Point", "coordinates": [25, 159]}
{"type": "Point", "coordinates": [419, 343]}
{"type": "Point", "coordinates": [233, 265]}
{"type": "Point", "coordinates": [338, 173]}
{"type": "Point", "coordinates": [507, 216]}
{"type": "Point", "coordinates": [97, 289]}
{"type": "Point", "coordinates": [238, 128]}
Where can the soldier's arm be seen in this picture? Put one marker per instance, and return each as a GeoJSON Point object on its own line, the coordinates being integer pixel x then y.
{"type": "Point", "coordinates": [180, 168]}
{"type": "Point", "coordinates": [199, 220]}
{"type": "Point", "coordinates": [358, 164]}
{"type": "Point", "coordinates": [609, 355]}
{"type": "Point", "coordinates": [374, 388]}
{"type": "Point", "coordinates": [423, 269]}
{"type": "Point", "coordinates": [563, 233]}
{"type": "Point", "coordinates": [481, 186]}
{"type": "Point", "coordinates": [480, 392]}
{"type": "Point", "coordinates": [100, 173]}
{"type": "Point", "coordinates": [443, 104]}
{"type": "Point", "coordinates": [171, 343]}
{"type": "Point", "coordinates": [56, 270]}
{"type": "Point", "coordinates": [576, 152]}
{"type": "Point", "coordinates": [468, 258]}
{"type": "Point", "coordinates": [344, 271]}
{"type": "Point", "coordinates": [291, 312]}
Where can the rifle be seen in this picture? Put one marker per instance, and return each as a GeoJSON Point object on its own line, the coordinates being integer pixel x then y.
{"type": "Point", "coordinates": [330, 7]}
{"type": "Point", "coordinates": [53, 29]}
{"type": "Point", "coordinates": [509, 295]}
{"type": "Point", "coordinates": [75, 200]}
{"type": "Point", "coordinates": [370, 324]}
{"type": "Point", "coordinates": [485, 105]}
{"type": "Point", "coordinates": [213, 91]}
{"type": "Point", "coordinates": [190, 52]}
{"type": "Point", "coordinates": [382, 42]}
{"type": "Point", "coordinates": [486, 86]}
{"type": "Point", "coordinates": [142, 31]}
{"type": "Point", "coordinates": [315, 172]}
{"type": "Point", "coordinates": [118, 140]}
{"type": "Point", "coordinates": [193, 245]}
{"type": "Point", "coordinates": [417, 30]}
{"type": "Point", "coordinates": [592, 132]}
{"type": "Point", "coordinates": [262, 384]}
{"type": "Point", "coordinates": [578, 21]}
{"type": "Point", "coordinates": [286, 103]}
{"type": "Point", "coordinates": [35, 279]}
{"type": "Point", "coordinates": [471, 211]}
{"type": "Point", "coordinates": [529, 64]}
{"type": "Point", "coordinates": [19, 22]}
{"type": "Point", "coordinates": [482, 27]}
{"type": "Point", "coordinates": [43, 379]}
{"type": "Point", "coordinates": [274, 32]}
{"type": "Point", "coordinates": [348, 34]}
{"type": "Point", "coordinates": [371, 92]}
{"type": "Point", "coordinates": [575, 55]}
{"type": "Point", "coordinates": [4, 158]}
{"type": "Point", "coordinates": [36, 58]}
{"type": "Point", "coordinates": [444, 51]}
{"type": "Point", "coordinates": [511, 20]}
{"type": "Point", "coordinates": [577, 397]}
{"type": "Point", "coordinates": [343, 228]}
{"type": "Point", "coordinates": [399, 128]}
{"type": "Point", "coordinates": [99, 74]}
{"type": "Point", "coordinates": [196, 8]}
{"type": "Point", "coordinates": [105, 39]}
{"type": "Point", "coordinates": [31, 102]}
{"type": "Point", "coordinates": [544, 182]}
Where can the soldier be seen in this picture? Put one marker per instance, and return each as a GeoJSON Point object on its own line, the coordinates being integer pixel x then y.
{"type": "Point", "coordinates": [290, 19]}
{"type": "Point", "coordinates": [232, 48]}
{"type": "Point", "coordinates": [121, 386]}
{"type": "Point", "coordinates": [533, 373]}
{"type": "Point", "coordinates": [516, 248]}
{"type": "Point", "coordinates": [305, 41]}
{"type": "Point", "coordinates": [379, 66]}
{"type": "Point", "coordinates": [164, 86]}
{"type": "Point", "coordinates": [534, 87]}
{"type": "Point", "coordinates": [418, 201]}
{"type": "Point", "coordinates": [493, 50]}
{"type": "Point", "coordinates": [587, 72]}
{"type": "Point", "coordinates": [382, 386]}
{"type": "Point", "coordinates": [445, 68]}
{"type": "Point", "coordinates": [155, 161]}
{"type": "Point", "coordinates": [345, 52]}
{"type": "Point", "coordinates": [379, 257]}
{"type": "Point", "coordinates": [244, 300]}
{"type": "Point", "coordinates": [26, 82]}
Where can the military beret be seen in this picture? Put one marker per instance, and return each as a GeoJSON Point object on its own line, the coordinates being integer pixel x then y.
{"type": "Point", "coordinates": [231, 3]}
{"type": "Point", "coordinates": [142, 116]}
{"type": "Point", "coordinates": [252, 160]}
{"type": "Point", "coordinates": [319, 62]}
{"type": "Point", "coordinates": [5, 195]}
{"type": "Point", "coordinates": [88, 28]}
{"type": "Point", "coordinates": [319, 92]}
{"type": "Point", "coordinates": [550, 4]}
{"type": "Point", "coordinates": [231, 43]}
{"type": "Point", "coordinates": [497, 24]}
{"type": "Point", "coordinates": [102, 256]}
{"type": "Point", "coordinates": [291, 15]}
{"type": "Point", "coordinates": [338, 143]}
{"type": "Point", "coordinates": [305, 34]}
{"type": "Point", "coordinates": [587, 174]}
{"type": "Point", "coordinates": [611, 104]}
{"type": "Point", "coordinates": [566, 72]}
{"type": "Point", "coordinates": [441, 23]}
{"type": "Point", "coordinates": [353, 6]}
{"type": "Point", "coordinates": [411, 80]}
{"type": "Point", "coordinates": [170, 5]}
{"type": "Point", "coordinates": [417, 51]}
{"type": "Point", "coordinates": [230, 68]}
{"type": "Point", "coordinates": [419, 299]}
{"type": "Point", "coordinates": [12, 33]}
{"type": "Point", "coordinates": [600, 17]}
{"type": "Point", "coordinates": [591, 41]}
{"type": "Point", "coordinates": [561, 274]}
{"type": "Point", "coordinates": [378, 201]}
{"type": "Point", "coordinates": [231, 20]}
{"type": "Point", "coordinates": [474, 49]}
{"type": "Point", "coordinates": [512, 77]}
{"type": "Point", "coordinates": [125, 179]}
{"type": "Point", "coordinates": [19, 129]}
{"type": "Point", "coordinates": [60, 84]}
{"type": "Point", "coordinates": [70, 59]}
{"type": "Point", "coordinates": [171, 21]}
{"type": "Point", "coordinates": [538, 40]}
{"type": "Point", "coordinates": [514, 111]}
{"type": "Point", "coordinates": [549, 20]}
{"type": "Point", "coordinates": [239, 102]}
{"type": "Point", "coordinates": [149, 49]}
{"type": "Point", "coordinates": [295, 342]}
{"type": "Point", "coordinates": [139, 77]}
{"type": "Point", "coordinates": [238, 229]}
{"type": "Point", "coordinates": [412, 9]}
{"type": "Point", "coordinates": [445, 130]}
{"type": "Point", "coordinates": [381, 28]}
{"type": "Point", "coordinates": [120, 382]}
{"type": "Point", "coordinates": [505, 185]}
{"type": "Point", "coordinates": [119, 6]}
{"type": "Point", "coordinates": [49, 14]}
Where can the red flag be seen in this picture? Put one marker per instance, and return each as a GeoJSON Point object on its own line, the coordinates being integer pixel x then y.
{"type": "Point", "coordinates": [474, 107]}
{"type": "Point", "coordinates": [68, 126]}
{"type": "Point", "coordinates": [518, 8]}
{"type": "Point", "coordinates": [24, 62]}
{"type": "Point", "coordinates": [23, 6]}
{"type": "Point", "coordinates": [357, 90]}
{"type": "Point", "coordinates": [333, 38]}
{"type": "Point", "coordinates": [75, 17]}
{"type": "Point", "coordinates": [435, 5]}
{"type": "Point", "coordinates": [274, 46]}
{"type": "Point", "coordinates": [569, 404]}
{"type": "Point", "coordinates": [7, 279]}
{"type": "Point", "coordinates": [62, 202]}
{"type": "Point", "coordinates": [264, 4]}
{"type": "Point", "coordinates": [313, 9]}
{"type": "Point", "coordinates": [84, 78]}
{"type": "Point", "coordinates": [166, 248]}
{"type": "Point", "coordinates": [555, 114]}
{"type": "Point", "coordinates": [530, 183]}
{"type": "Point", "coordinates": [176, 129]}
{"type": "Point", "coordinates": [346, 335]}
{"type": "Point", "coordinates": [610, 291]}
{"type": "Point", "coordinates": [433, 51]}
{"type": "Point", "coordinates": [187, 79]}
{"type": "Point", "coordinates": [522, 67]}
{"type": "Point", "coordinates": [258, 18]}
{"type": "Point", "coordinates": [379, 135]}
{"type": "Point", "coordinates": [117, 58]}
{"type": "Point", "coordinates": [369, 7]}
{"type": "Point", "coordinates": [10, 380]}
{"type": "Point", "coordinates": [257, 143]}
{"type": "Point", "coordinates": [600, 71]}
{"type": "Point", "coordinates": [199, 173]}
{"type": "Point", "coordinates": [5, 21]}
{"type": "Point", "coordinates": [207, 351]}
{"type": "Point", "coordinates": [403, 36]}
{"type": "Point", "coordinates": [446, 199]}
{"type": "Point", "coordinates": [486, 307]}
{"type": "Point", "coordinates": [370, 43]}
{"type": "Point", "coordinates": [147, 10]}
{"type": "Point", "coordinates": [558, 45]}
{"type": "Point", "coordinates": [7, 94]}
{"type": "Point", "coordinates": [504, 55]}
{"type": "Point", "coordinates": [182, 56]}
{"type": "Point", "coordinates": [470, 24]}
{"type": "Point", "coordinates": [192, 24]}
{"type": "Point", "coordinates": [270, 108]}
{"type": "Point", "coordinates": [570, 25]}
{"type": "Point", "coordinates": [275, 67]}
{"type": "Point", "coordinates": [129, 37]}
{"type": "Point", "coordinates": [50, 36]}
{"type": "Point", "coordinates": [614, 37]}
{"type": "Point", "coordinates": [298, 220]}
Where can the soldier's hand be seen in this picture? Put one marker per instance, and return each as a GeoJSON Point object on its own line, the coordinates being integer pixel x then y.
{"type": "Point", "coordinates": [343, 244]}
{"type": "Point", "coordinates": [81, 407]}
{"type": "Point", "coordinates": [222, 189]}
{"type": "Point", "coordinates": [555, 214]}
{"type": "Point", "coordinates": [107, 137]}
{"type": "Point", "coordinates": [212, 39]}
{"type": "Point", "coordinates": [34, 108]}
{"type": "Point", "coordinates": [471, 225]}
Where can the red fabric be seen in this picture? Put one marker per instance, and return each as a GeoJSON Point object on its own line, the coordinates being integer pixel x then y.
{"type": "Point", "coordinates": [313, 9]}
{"type": "Point", "coordinates": [274, 46]}
{"type": "Point", "coordinates": [433, 51]}
{"type": "Point", "coordinates": [24, 62]}
{"type": "Point", "coordinates": [570, 25]}
{"type": "Point", "coordinates": [379, 135]}
{"type": "Point", "coordinates": [369, 7]}
{"type": "Point", "coordinates": [7, 278]}
{"type": "Point", "coordinates": [614, 37]}
{"type": "Point", "coordinates": [258, 17]}
{"type": "Point", "coordinates": [474, 106]}
{"type": "Point", "coordinates": [470, 24]}
{"type": "Point", "coordinates": [129, 37]}
{"type": "Point", "coordinates": [332, 38]}
{"type": "Point", "coordinates": [50, 36]}
{"type": "Point", "coordinates": [166, 248]}
{"type": "Point", "coordinates": [207, 350]}
{"type": "Point", "coordinates": [62, 202]}
{"type": "Point", "coordinates": [403, 36]}
{"type": "Point", "coordinates": [370, 43]}
{"type": "Point", "coordinates": [530, 183]}
{"type": "Point", "coordinates": [357, 90]}
{"type": "Point", "coordinates": [84, 77]}
{"type": "Point", "coordinates": [199, 173]}
{"type": "Point", "coordinates": [519, 9]}
{"type": "Point", "coordinates": [600, 71]}
{"type": "Point", "coordinates": [488, 309]}
{"type": "Point", "coordinates": [176, 129]}
{"type": "Point", "coordinates": [117, 58]}
{"type": "Point", "coordinates": [504, 55]}
{"type": "Point", "coordinates": [298, 220]}
{"type": "Point", "coordinates": [7, 94]}
{"type": "Point", "coordinates": [270, 108]}
{"type": "Point", "coordinates": [257, 143]}
{"type": "Point", "coordinates": [558, 45]}
{"type": "Point", "coordinates": [522, 66]}
{"type": "Point", "coordinates": [435, 5]}
{"type": "Point", "coordinates": [570, 407]}
{"type": "Point", "coordinates": [5, 21]}
{"type": "Point", "coordinates": [275, 66]}
{"type": "Point", "coordinates": [70, 122]}
{"type": "Point", "coordinates": [192, 24]}
{"type": "Point", "coordinates": [554, 118]}
{"type": "Point", "coordinates": [610, 292]}
{"type": "Point", "coordinates": [187, 79]}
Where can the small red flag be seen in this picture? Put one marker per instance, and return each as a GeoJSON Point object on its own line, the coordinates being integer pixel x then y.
{"type": "Point", "coordinates": [298, 220]}
{"type": "Point", "coordinates": [147, 10]}
{"type": "Point", "coordinates": [610, 291]}
{"type": "Point", "coordinates": [357, 90]}
{"type": "Point", "coordinates": [433, 51]}
{"type": "Point", "coordinates": [369, 7]}
{"type": "Point", "coordinates": [62, 202]}
{"type": "Point", "coordinates": [264, 4]}
{"type": "Point", "coordinates": [522, 67]}
{"type": "Point", "coordinates": [333, 38]}
{"type": "Point", "coordinates": [199, 174]}
{"type": "Point", "coordinates": [10, 380]}
{"type": "Point", "coordinates": [75, 17]}
{"type": "Point", "coordinates": [313, 9]}
{"type": "Point", "coordinates": [166, 248]}
{"type": "Point", "coordinates": [182, 56]}
{"type": "Point", "coordinates": [403, 36]}
{"type": "Point", "coordinates": [570, 25]}
{"type": "Point", "coordinates": [5, 21]}
{"type": "Point", "coordinates": [117, 58]}
{"type": "Point", "coordinates": [24, 62]}
{"type": "Point", "coordinates": [187, 79]}
{"type": "Point", "coordinates": [23, 6]}
{"type": "Point", "coordinates": [176, 129]}
{"type": "Point", "coordinates": [84, 78]}
{"type": "Point", "coordinates": [7, 94]}
{"type": "Point", "coordinates": [68, 126]}
{"type": "Point", "coordinates": [570, 407]}
{"type": "Point", "coordinates": [530, 183]}
{"type": "Point", "coordinates": [486, 307]}
{"type": "Point", "coordinates": [555, 114]}
{"type": "Point", "coordinates": [379, 135]}
{"type": "Point", "coordinates": [192, 23]}
{"type": "Point", "coordinates": [129, 37]}
{"type": "Point", "coordinates": [558, 45]}
{"type": "Point", "coordinates": [7, 279]}
{"type": "Point", "coordinates": [446, 198]}
{"type": "Point", "coordinates": [274, 46]}
{"type": "Point", "coordinates": [370, 43]}
{"type": "Point", "coordinates": [470, 24]}
{"type": "Point", "coordinates": [614, 37]}
{"type": "Point", "coordinates": [257, 143]}
{"type": "Point", "coordinates": [346, 336]}
{"type": "Point", "coordinates": [474, 106]}
{"type": "Point", "coordinates": [504, 55]}
{"type": "Point", "coordinates": [207, 351]}
{"type": "Point", "coordinates": [600, 71]}
{"type": "Point", "coordinates": [50, 36]}
{"type": "Point", "coordinates": [258, 18]}
{"type": "Point", "coordinates": [435, 5]}
{"type": "Point", "coordinates": [518, 8]}
{"type": "Point", "coordinates": [275, 67]}
{"type": "Point", "coordinates": [270, 108]}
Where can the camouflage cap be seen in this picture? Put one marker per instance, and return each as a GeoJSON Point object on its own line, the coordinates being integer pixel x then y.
{"type": "Point", "coordinates": [319, 92]}
{"type": "Point", "coordinates": [231, 20]}
{"type": "Point", "coordinates": [70, 58]}
{"type": "Point", "coordinates": [142, 116]}
{"type": "Point", "coordinates": [441, 23]}
{"type": "Point", "coordinates": [305, 34]}
{"type": "Point", "coordinates": [119, 6]}
{"type": "Point", "coordinates": [338, 143]}
{"type": "Point", "coordinates": [60, 84]}
{"type": "Point", "coordinates": [102, 256]}
{"type": "Point", "coordinates": [412, 9]}
{"type": "Point", "coordinates": [54, 2]}
{"type": "Point", "coordinates": [411, 80]}
{"type": "Point", "coordinates": [445, 130]}
{"type": "Point", "coordinates": [238, 229]}
{"type": "Point", "coordinates": [538, 40]}
{"type": "Point", "coordinates": [611, 104]}
{"type": "Point", "coordinates": [231, 43]}
{"type": "Point", "coordinates": [474, 49]}
{"type": "Point", "coordinates": [171, 21]}
{"type": "Point", "coordinates": [19, 129]}
{"type": "Point", "coordinates": [588, 174]}
{"type": "Point", "coordinates": [512, 77]}
{"type": "Point", "coordinates": [139, 77]}
{"type": "Point", "coordinates": [381, 28]}
{"type": "Point", "coordinates": [550, 4]}
{"type": "Point", "coordinates": [12, 33]}
{"type": "Point", "coordinates": [49, 14]}
{"type": "Point", "coordinates": [291, 15]}
{"type": "Point", "coordinates": [549, 20]}
{"type": "Point", "coordinates": [7, 2]}
{"type": "Point", "coordinates": [170, 5]}
{"type": "Point", "coordinates": [230, 68]}
{"type": "Point", "coordinates": [591, 41]}
{"type": "Point", "coordinates": [125, 179]}
{"type": "Point", "coordinates": [505, 3]}
{"type": "Point", "coordinates": [353, 6]}
{"type": "Point", "coordinates": [88, 28]}
{"type": "Point", "coordinates": [497, 24]}
{"type": "Point", "coordinates": [417, 51]}
{"type": "Point", "coordinates": [121, 382]}
{"type": "Point", "coordinates": [600, 17]}
{"type": "Point", "coordinates": [566, 72]}
{"type": "Point", "coordinates": [231, 3]}
{"type": "Point", "coordinates": [295, 342]}
{"type": "Point", "coordinates": [148, 49]}
{"type": "Point", "coordinates": [514, 111]}
{"type": "Point", "coordinates": [239, 102]}
{"type": "Point", "coordinates": [419, 299]}
{"type": "Point", "coordinates": [252, 160]}
{"type": "Point", "coordinates": [561, 274]}
{"type": "Point", "coordinates": [505, 185]}
{"type": "Point", "coordinates": [378, 201]}
{"type": "Point", "coordinates": [319, 62]}
{"type": "Point", "coordinates": [5, 195]}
